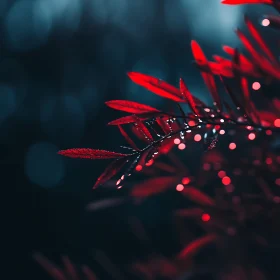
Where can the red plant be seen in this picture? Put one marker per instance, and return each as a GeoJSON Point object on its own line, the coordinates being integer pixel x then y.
{"type": "Point", "coordinates": [231, 213]}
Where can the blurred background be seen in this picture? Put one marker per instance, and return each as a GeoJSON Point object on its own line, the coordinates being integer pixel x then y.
{"type": "Point", "coordinates": [59, 61]}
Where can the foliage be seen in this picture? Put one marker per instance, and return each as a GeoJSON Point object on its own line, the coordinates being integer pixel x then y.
{"type": "Point", "coordinates": [237, 210]}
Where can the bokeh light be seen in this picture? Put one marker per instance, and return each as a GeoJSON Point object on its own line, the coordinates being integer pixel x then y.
{"type": "Point", "coordinates": [265, 22]}
{"type": "Point", "coordinates": [221, 173]}
{"type": "Point", "coordinates": [181, 146]}
{"type": "Point", "coordinates": [180, 187]}
{"type": "Point", "coordinates": [138, 167]}
{"type": "Point", "coordinates": [232, 146]}
{"type": "Point", "coordinates": [252, 136]}
{"type": "Point", "coordinates": [256, 86]}
{"type": "Point", "coordinates": [205, 217]}
{"type": "Point", "coordinates": [186, 180]}
{"type": "Point", "coordinates": [277, 123]}
{"type": "Point", "coordinates": [226, 180]}
{"type": "Point", "coordinates": [197, 138]}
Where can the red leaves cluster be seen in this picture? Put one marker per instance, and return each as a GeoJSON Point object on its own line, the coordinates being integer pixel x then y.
{"type": "Point", "coordinates": [263, 64]}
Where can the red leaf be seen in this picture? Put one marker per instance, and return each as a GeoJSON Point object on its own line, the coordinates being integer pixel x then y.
{"type": "Point", "coordinates": [196, 245]}
{"type": "Point", "coordinates": [201, 59]}
{"type": "Point", "coordinates": [260, 61]}
{"type": "Point", "coordinates": [186, 93]}
{"type": "Point", "coordinates": [131, 119]}
{"type": "Point", "coordinates": [140, 126]}
{"type": "Point", "coordinates": [161, 122]}
{"type": "Point", "coordinates": [130, 106]}
{"type": "Point", "coordinates": [166, 146]}
{"type": "Point", "coordinates": [238, 2]}
{"type": "Point", "coordinates": [112, 169]}
{"type": "Point", "coordinates": [156, 86]}
{"type": "Point", "coordinates": [256, 35]}
{"type": "Point", "coordinates": [223, 67]}
{"type": "Point", "coordinates": [153, 186]}
{"type": "Point", "coordinates": [128, 139]}
{"type": "Point", "coordinates": [197, 196]}
{"type": "Point", "coordinates": [90, 153]}
{"type": "Point", "coordinates": [123, 120]}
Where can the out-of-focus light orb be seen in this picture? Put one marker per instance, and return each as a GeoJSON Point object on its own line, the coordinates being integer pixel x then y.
{"type": "Point", "coordinates": [28, 24]}
{"type": "Point", "coordinates": [186, 180]}
{"type": "Point", "coordinates": [268, 132]}
{"type": "Point", "coordinates": [232, 146]}
{"type": "Point", "coordinates": [181, 146]}
{"type": "Point", "coordinates": [221, 174]}
{"type": "Point", "coordinates": [277, 181]}
{"type": "Point", "coordinates": [8, 102]}
{"type": "Point", "coordinates": [206, 166]}
{"type": "Point", "coordinates": [205, 217]}
{"type": "Point", "coordinates": [177, 141]}
{"type": "Point", "coordinates": [256, 86]}
{"type": "Point", "coordinates": [222, 132]}
{"type": "Point", "coordinates": [197, 137]}
{"type": "Point", "coordinates": [191, 123]}
{"type": "Point", "coordinates": [229, 188]}
{"type": "Point", "coordinates": [43, 166]}
{"type": "Point", "coordinates": [180, 187]}
{"type": "Point", "coordinates": [265, 22]}
{"type": "Point", "coordinates": [268, 160]}
{"type": "Point", "coordinates": [252, 136]}
{"type": "Point", "coordinates": [226, 180]}
{"type": "Point", "coordinates": [277, 123]}
{"type": "Point", "coordinates": [138, 167]}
